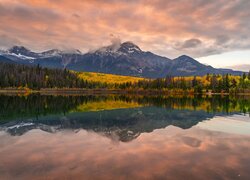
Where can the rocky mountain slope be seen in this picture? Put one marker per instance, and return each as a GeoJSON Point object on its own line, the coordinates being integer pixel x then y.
{"type": "Point", "coordinates": [124, 59]}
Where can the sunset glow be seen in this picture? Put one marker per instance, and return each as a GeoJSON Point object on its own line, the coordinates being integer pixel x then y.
{"type": "Point", "coordinates": [198, 28]}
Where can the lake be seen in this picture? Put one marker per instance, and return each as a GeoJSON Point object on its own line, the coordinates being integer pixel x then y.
{"type": "Point", "coordinates": [124, 137]}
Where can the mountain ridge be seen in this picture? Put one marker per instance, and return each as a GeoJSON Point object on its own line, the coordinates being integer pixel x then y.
{"type": "Point", "coordinates": [123, 59]}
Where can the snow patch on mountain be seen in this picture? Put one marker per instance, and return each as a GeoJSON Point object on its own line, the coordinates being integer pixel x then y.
{"type": "Point", "coordinates": [21, 56]}
{"type": "Point", "coordinates": [53, 52]}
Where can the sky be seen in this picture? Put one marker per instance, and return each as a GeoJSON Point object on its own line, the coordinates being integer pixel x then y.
{"type": "Point", "coordinates": [215, 32]}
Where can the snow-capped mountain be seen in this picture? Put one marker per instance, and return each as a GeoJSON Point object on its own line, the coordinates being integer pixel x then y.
{"type": "Point", "coordinates": [124, 59]}
{"type": "Point", "coordinates": [52, 52]}
{"type": "Point", "coordinates": [23, 52]}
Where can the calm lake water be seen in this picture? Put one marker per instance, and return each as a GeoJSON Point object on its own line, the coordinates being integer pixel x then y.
{"type": "Point", "coordinates": [124, 137]}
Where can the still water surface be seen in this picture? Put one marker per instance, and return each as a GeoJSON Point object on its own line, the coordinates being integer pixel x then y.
{"type": "Point", "coordinates": [124, 137]}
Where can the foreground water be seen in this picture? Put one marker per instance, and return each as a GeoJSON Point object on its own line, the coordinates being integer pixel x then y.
{"type": "Point", "coordinates": [124, 137]}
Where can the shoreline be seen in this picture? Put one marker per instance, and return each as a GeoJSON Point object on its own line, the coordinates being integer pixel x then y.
{"type": "Point", "coordinates": [74, 91]}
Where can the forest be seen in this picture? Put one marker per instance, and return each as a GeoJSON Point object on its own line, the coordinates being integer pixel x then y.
{"type": "Point", "coordinates": [214, 83]}
{"type": "Point", "coordinates": [36, 78]}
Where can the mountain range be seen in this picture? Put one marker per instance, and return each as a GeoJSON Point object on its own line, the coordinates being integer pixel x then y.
{"type": "Point", "coordinates": [123, 59]}
{"type": "Point", "coordinates": [123, 124]}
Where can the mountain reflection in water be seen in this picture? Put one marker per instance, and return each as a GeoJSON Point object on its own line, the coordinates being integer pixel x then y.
{"type": "Point", "coordinates": [124, 137]}
{"type": "Point", "coordinates": [121, 117]}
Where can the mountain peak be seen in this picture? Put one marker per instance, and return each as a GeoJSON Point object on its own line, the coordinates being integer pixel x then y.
{"type": "Point", "coordinates": [22, 52]}
{"type": "Point", "coordinates": [57, 52]}
{"type": "Point", "coordinates": [107, 49]}
{"type": "Point", "coordinates": [129, 44]}
{"type": "Point", "coordinates": [184, 57]}
{"type": "Point", "coordinates": [52, 52]}
{"type": "Point", "coordinates": [129, 47]}
{"type": "Point", "coordinates": [19, 50]}
{"type": "Point", "coordinates": [124, 48]}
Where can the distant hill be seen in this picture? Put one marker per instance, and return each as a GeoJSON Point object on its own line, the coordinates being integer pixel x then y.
{"type": "Point", "coordinates": [124, 59]}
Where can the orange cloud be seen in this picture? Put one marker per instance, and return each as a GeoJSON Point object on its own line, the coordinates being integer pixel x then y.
{"type": "Point", "coordinates": [154, 25]}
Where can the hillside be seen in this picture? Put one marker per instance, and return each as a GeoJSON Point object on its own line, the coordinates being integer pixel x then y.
{"type": "Point", "coordinates": [107, 78]}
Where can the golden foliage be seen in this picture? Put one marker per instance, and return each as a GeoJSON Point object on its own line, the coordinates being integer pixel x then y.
{"type": "Point", "coordinates": [107, 78]}
{"type": "Point", "coordinates": [106, 105]}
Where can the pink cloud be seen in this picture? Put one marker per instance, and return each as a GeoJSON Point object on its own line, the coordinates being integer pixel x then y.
{"type": "Point", "coordinates": [87, 24]}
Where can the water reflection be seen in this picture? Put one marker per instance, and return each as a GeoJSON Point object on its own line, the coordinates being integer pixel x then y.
{"type": "Point", "coordinates": [124, 137]}
{"type": "Point", "coordinates": [167, 153]}
{"type": "Point", "coordinates": [117, 117]}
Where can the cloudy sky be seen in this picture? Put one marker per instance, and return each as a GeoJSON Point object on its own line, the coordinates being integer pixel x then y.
{"type": "Point", "coordinates": [215, 32]}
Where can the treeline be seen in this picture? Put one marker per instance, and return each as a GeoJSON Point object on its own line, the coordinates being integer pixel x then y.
{"type": "Point", "coordinates": [36, 77]}
{"type": "Point", "coordinates": [209, 83]}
